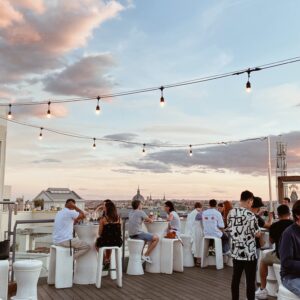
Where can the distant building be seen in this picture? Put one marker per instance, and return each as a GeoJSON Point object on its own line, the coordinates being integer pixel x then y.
{"type": "Point", "coordinates": [55, 198]}
{"type": "Point", "coordinates": [138, 196]}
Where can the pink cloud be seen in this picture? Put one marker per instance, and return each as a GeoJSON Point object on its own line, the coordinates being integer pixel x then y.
{"type": "Point", "coordinates": [8, 14]}
{"type": "Point", "coordinates": [34, 5]}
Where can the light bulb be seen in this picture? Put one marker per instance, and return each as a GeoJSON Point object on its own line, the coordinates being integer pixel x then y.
{"type": "Point", "coordinates": [41, 134]}
{"type": "Point", "coordinates": [144, 150]}
{"type": "Point", "coordinates": [94, 145]}
{"type": "Point", "coordinates": [162, 99]}
{"type": "Point", "coordinates": [191, 151]}
{"type": "Point", "coordinates": [98, 106]}
{"type": "Point", "coordinates": [248, 87]}
{"type": "Point", "coordinates": [48, 111]}
{"type": "Point", "coordinates": [9, 115]}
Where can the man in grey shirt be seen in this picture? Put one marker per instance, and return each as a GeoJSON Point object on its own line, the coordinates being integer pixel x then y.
{"type": "Point", "coordinates": [136, 218]}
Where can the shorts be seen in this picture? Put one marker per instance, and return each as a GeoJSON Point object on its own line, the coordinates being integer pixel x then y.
{"type": "Point", "coordinates": [270, 258]}
{"type": "Point", "coordinates": [145, 236]}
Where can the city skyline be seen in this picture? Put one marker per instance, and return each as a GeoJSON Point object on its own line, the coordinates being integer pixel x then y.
{"type": "Point", "coordinates": [48, 52]}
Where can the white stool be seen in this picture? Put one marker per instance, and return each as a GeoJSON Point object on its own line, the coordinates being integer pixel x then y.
{"type": "Point", "coordinates": [4, 266]}
{"type": "Point", "coordinates": [135, 248]}
{"type": "Point", "coordinates": [171, 256]}
{"type": "Point", "coordinates": [228, 260]}
{"type": "Point", "coordinates": [27, 273]}
{"type": "Point", "coordinates": [272, 285]}
{"type": "Point", "coordinates": [188, 260]}
{"type": "Point", "coordinates": [283, 293]}
{"type": "Point", "coordinates": [116, 265]}
{"type": "Point", "coordinates": [155, 257]}
{"type": "Point", "coordinates": [218, 252]}
{"type": "Point", "coordinates": [60, 271]}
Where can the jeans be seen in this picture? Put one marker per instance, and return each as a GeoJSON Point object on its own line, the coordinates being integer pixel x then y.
{"type": "Point", "coordinates": [250, 270]}
{"type": "Point", "coordinates": [292, 283]}
{"type": "Point", "coordinates": [225, 243]}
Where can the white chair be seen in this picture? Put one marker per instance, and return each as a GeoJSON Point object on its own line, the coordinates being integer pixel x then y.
{"type": "Point", "coordinates": [27, 273]}
{"type": "Point", "coordinates": [218, 252]}
{"type": "Point", "coordinates": [60, 271]}
{"type": "Point", "coordinates": [116, 265]}
{"type": "Point", "coordinates": [135, 248]}
{"type": "Point", "coordinates": [188, 260]}
{"type": "Point", "coordinates": [283, 293]}
{"type": "Point", "coordinates": [171, 256]}
{"type": "Point", "coordinates": [4, 267]}
{"type": "Point", "coordinates": [155, 257]}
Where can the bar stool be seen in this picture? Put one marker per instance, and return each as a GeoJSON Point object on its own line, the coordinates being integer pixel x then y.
{"type": "Point", "coordinates": [283, 293]}
{"type": "Point", "coordinates": [155, 257]}
{"type": "Point", "coordinates": [135, 248]}
{"type": "Point", "coordinates": [188, 260]}
{"type": "Point", "coordinates": [218, 252]}
{"type": "Point", "coordinates": [272, 285]}
{"type": "Point", "coordinates": [171, 256]}
{"type": "Point", "coordinates": [117, 257]}
{"type": "Point", "coordinates": [60, 271]}
{"type": "Point", "coordinates": [27, 273]}
{"type": "Point", "coordinates": [4, 267]}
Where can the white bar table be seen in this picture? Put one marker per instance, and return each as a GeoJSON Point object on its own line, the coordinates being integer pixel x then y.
{"type": "Point", "coordinates": [159, 228]}
{"type": "Point", "coordinates": [86, 265]}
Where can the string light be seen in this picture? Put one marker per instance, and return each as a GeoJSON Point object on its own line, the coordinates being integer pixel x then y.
{"type": "Point", "coordinates": [49, 112]}
{"type": "Point", "coordinates": [41, 134]}
{"type": "Point", "coordinates": [94, 145]}
{"type": "Point", "coordinates": [144, 150]}
{"type": "Point", "coordinates": [9, 115]}
{"type": "Point", "coordinates": [162, 99]}
{"type": "Point", "coordinates": [248, 84]}
{"type": "Point", "coordinates": [191, 151]}
{"type": "Point", "coordinates": [98, 106]}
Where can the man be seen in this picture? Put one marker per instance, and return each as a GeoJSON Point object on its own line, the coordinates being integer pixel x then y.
{"type": "Point", "coordinates": [289, 253]}
{"type": "Point", "coordinates": [63, 228]}
{"type": "Point", "coordinates": [136, 218]}
{"type": "Point", "coordinates": [272, 257]}
{"type": "Point", "coordinates": [286, 201]}
{"type": "Point", "coordinates": [213, 224]}
{"type": "Point", "coordinates": [243, 228]}
{"type": "Point", "coordinates": [256, 206]}
{"type": "Point", "coordinates": [190, 220]}
{"type": "Point", "coordinates": [221, 208]}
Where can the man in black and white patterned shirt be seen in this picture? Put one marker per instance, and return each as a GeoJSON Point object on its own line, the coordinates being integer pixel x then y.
{"type": "Point", "coordinates": [243, 228]}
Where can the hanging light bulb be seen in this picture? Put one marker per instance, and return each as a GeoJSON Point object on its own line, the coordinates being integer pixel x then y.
{"type": "Point", "coordinates": [9, 115]}
{"type": "Point", "coordinates": [94, 145]}
{"type": "Point", "coordinates": [191, 151]}
{"type": "Point", "coordinates": [41, 134]}
{"type": "Point", "coordinates": [162, 99]}
{"type": "Point", "coordinates": [248, 84]}
{"type": "Point", "coordinates": [144, 150]}
{"type": "Point", "coordinates": [98, 106]}
{"type": "Point", "coordinates": [48, 111]}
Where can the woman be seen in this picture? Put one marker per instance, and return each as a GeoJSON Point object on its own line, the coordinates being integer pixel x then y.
{"type": "Point", "coordinates": [173, 219]}
{"type": "Point", "coordinates": [109, 230]}
{"type": "Point", "coordinates": [227, 208]}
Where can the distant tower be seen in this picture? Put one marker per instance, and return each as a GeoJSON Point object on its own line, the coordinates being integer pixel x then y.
{"type": "Point", "coordinates": [281, 165]}
{"type": "Point", "coordinates": [164, 199]}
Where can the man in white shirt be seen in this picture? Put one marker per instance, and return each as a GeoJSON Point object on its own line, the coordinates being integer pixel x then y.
{"type": "Point", "coordinates": [213, 224]}
{"type": "Point", "coordinates": [63, 228]}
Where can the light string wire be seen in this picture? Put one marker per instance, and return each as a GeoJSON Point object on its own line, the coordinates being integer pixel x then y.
{"type": "Point", "coordinates": [156, 145]}
{"type": "Point", "coordinates": [167, 86]}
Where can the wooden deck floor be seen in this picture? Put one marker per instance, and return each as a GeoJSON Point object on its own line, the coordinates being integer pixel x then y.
{"type": "Point", "coordinates": [194, 283]}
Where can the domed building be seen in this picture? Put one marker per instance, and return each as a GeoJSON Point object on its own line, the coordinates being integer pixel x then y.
{"type": "Point", "coordinates": [138, 196]}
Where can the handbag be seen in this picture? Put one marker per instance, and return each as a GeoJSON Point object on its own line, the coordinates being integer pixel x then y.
{"type": "Point", "coordinates": [171, 235]}
{"type": "Point", "coordinates": [4, 249]}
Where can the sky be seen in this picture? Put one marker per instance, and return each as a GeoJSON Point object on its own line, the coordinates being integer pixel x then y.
{"type": "Point", "coordinates": [77, 49]}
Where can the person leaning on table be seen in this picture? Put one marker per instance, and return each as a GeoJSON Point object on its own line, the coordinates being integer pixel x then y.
{"type": "Point", "coordinates": [63, 228]}
{"type": "Point", "coordinates": [289, 253]}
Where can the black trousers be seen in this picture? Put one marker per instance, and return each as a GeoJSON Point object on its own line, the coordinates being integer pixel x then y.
{"type": "Point", "coordinates": [250, 271]}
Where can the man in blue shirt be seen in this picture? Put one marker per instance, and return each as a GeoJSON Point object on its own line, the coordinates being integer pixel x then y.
{"type": "Point", "coordinates": [289, 251]}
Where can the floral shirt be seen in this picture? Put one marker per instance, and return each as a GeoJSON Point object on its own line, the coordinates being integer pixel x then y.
{"type": "Point", "coordinates": [242, 227]}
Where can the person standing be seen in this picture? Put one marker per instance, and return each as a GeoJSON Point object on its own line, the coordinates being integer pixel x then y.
{"type": "Point", "coordinates": [243, 228]}
{"type": "Point", "coordinates": [289, 253]}
{"type": "Point", "coordinates": [63, 228]}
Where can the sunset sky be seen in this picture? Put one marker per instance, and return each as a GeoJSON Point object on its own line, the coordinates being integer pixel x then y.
{"type": "Point", "coordinates": [64, 49]}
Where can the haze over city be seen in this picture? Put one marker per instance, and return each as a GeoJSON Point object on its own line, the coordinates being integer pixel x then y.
{"type": "Point", "coordinates": [112, 46]}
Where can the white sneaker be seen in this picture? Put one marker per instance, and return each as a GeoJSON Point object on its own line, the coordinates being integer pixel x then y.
{"type": "Point", "coordinates": [261, 294]}
{"type": "Point", "coordinates": [147, 259]}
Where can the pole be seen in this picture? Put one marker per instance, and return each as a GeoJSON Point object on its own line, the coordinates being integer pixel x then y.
{"type": "Point", "coordinates": [270, 175]}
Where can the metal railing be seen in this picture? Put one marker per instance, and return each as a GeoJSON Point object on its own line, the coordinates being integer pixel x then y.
{"type": "Point", "coordinates": [15, 237]}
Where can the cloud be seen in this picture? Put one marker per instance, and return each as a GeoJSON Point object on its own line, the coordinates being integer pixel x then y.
{"type": "Point", "coordinates": [46, 161]}
{"type": "Point", "coordinates": [121, 136]}
{"type": "Point", "coordinates": [181, 129]}
{"type": "Point", "coordinates": [35, 35]}
{"type": "Point", "coordinates": [86, 77]}
{"type": "Point", "coordinates": [246, 158]}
